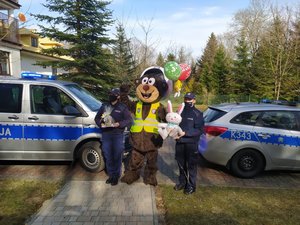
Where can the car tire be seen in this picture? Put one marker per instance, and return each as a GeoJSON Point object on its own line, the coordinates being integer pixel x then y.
{"type": "Point", "coordinates": [90, 156]}
{"type": "Point", "coordinates": [247, 163]}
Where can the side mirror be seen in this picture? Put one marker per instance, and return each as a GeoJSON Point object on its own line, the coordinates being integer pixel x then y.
{"type": "Point", "coordinates": [71, 111]}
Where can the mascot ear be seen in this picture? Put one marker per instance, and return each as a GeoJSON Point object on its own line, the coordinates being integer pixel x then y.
{"type": "Point", "coordinates": [137, 81]}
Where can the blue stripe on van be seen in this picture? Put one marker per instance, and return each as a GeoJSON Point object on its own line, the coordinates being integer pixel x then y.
{"type": "Point", "coordinates": [44, 132]}
{"type": "Point", "coordinates": [52, 133]}
{"type": "Point", "coordinates": [92, 130]}
{"type": "Point", "coordinates": [281, 140]}
{"type": "Point", "coordinates": [11, 131]}
{"type": "Point", "coordinates": [275, 139]}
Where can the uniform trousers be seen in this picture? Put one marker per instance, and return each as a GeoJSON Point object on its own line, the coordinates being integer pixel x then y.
{"type": "Point", "coordinates": [113, 148]}
{"type": "Point", "coordinates": [186, 155]}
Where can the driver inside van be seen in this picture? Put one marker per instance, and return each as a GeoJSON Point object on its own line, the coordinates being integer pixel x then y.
{"type": "Point", "coordinates": [50, 101]}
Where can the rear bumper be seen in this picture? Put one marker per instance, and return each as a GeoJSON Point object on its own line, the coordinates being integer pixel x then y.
{"type": "Point", "coordinates": [218, 152]}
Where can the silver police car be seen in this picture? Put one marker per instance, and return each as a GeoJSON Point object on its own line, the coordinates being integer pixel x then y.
{"type": "Point", "coordinates": [248, 138]}
{"type": "Point", "coordinates": [46, 119]}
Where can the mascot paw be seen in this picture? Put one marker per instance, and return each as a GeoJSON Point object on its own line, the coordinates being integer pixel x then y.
{"type": "Point", "coordinates": [129, 177]}
{"type": "Point", "coordinates": [150, 180]}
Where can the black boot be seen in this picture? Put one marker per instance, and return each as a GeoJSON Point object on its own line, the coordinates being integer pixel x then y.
{"type": "Point", "coordinates": [114, 181]}
{"type": "Point", "coordinates": [109, 180]}
{"type": "Point", "coordinates": [179, 187]}
{"type": "Point", "coordinates": [189, 190]}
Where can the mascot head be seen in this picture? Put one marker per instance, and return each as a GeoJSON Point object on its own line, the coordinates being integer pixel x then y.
{"type": "Point", "coordinates": [151, 86]}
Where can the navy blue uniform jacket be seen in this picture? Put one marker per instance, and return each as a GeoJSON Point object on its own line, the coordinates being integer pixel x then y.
{"type": "Point", "coordinates": [120, 114]}
{"type": "Point", "coordinates": [192, 124]}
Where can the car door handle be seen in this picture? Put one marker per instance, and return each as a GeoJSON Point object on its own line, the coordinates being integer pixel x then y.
{"type": "Point", "coordinates": [264, 136]}
{"type": "Point", "coordinates": [33, 118]}
{"type": "Point", "coordinates": [14, 117]}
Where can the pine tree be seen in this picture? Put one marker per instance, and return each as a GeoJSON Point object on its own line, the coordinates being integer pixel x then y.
{"type": "Point", "coordinates": [277, 60]}
{"type": "Point", "coordinates": [182, 55]}
{"type": "Point", "coordinates": [220, 72]}
{"type": "Point", "coordinates": [291, 86]}
{"type": "Point", "coordinates": [262, 74]}
{"type": "Point", "coordinates": [124, 63]}
{"type": "Point", "coordinates": [189, 83]}
{"type": "Point", "coordinates": [203, 76]}
{"type": "Point", "coordinates": [171, 57]}
{"type": "Point", "coordinates": [243, 83]}
{"type": "Point", "coordinates": [83, 25]}
{"type": "Point", "coordinates": [160, 61]}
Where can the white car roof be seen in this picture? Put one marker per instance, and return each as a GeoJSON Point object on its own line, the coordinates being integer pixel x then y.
{"type": "Point", "coordinates": [252, 106]}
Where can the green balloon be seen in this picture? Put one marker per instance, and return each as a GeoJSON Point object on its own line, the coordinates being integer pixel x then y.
{"type": "Point", "coordinates": [172, 70]}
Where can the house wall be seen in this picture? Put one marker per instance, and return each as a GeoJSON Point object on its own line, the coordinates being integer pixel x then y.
{"type": "Point", "coordinates": [14, 60]}
{"type": "Point", "coordinates": [26, 40]}
{"type": "Point", "coordinates": [28, 65]}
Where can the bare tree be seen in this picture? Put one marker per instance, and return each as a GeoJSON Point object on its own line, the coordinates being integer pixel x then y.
{"type": "Point", "coordinates": [228, 40]}
{"type": "Point", "coordinates": [144, 49]}
{"type": "Point", "coordinates": [278, 47]}
{"type": "Point", "coordinates": [182, 54]}
{"type": "Point", "coordinates": [252, 23]}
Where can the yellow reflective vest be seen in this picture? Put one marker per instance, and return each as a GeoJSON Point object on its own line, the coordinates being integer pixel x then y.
{"type": "Point", "coordinates": [150, 124]}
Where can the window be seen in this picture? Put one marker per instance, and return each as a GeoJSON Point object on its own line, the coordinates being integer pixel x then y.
{"type": "Point", "coordinates": [86, 97]}
{"type": "Point", "coordinates": [54, 71]}
{"type": "Point", "coordinates": [48, 100]}
{"type": "Point", "coordinates": [246, 118]}
{"type": "Point", "coordinates": [34, 42]}
{"type": "Point", "coordinates": [4, 63]}
{"type": "Point", "coordinates": [212, 114]}
{"type": "Point", "coordinates": [279, 119]}
{"type": "Point", "coordinates": [298, 120]}
{"type": "Point", "coordinates": [11, 98]}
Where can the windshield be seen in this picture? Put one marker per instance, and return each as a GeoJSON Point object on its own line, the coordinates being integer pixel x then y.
{"type": "Point", "coordinates": [86, 97]}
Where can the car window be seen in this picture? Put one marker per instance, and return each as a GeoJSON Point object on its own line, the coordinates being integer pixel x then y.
{"type": "Point", "coordinates": [85, 96]}
{"type": "Point", "coordinates": [246, 118]}
{"type": "Point", "coordinates": [212, 114]}
{"type": "Point", "coordinates": [298, 120]}
{"type": "Point", "coordinates": [48, 100]}
{"type": "Point", "coordinates": [11, 98]}
{"type": "Point", "coordinates": [279, 119]}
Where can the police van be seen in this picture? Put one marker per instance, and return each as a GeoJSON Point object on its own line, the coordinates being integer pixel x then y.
{"type": "Point", "coordinates": [42, 118]}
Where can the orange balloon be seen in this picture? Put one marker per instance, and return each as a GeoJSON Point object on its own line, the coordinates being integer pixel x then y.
{"type": "Point", "coordinates": [21, 17]}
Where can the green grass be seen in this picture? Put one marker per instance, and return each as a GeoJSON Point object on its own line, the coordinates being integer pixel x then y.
{"type": "Point", "coordinates": [232, 206]}
{"type": "Point", "coordinates": [19, 199]}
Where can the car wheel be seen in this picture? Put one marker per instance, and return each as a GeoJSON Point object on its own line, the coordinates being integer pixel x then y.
{"type": "Point", "coordinates": [247, 163]}
{"type": "Point", "coordinates": [90, 157]}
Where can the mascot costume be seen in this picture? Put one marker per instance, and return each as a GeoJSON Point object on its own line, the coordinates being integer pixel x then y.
{"type": "Point", "coordinates": [148, 112]}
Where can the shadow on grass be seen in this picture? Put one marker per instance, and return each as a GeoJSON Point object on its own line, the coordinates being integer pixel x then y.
{"type": "Point", "coordinates": [223, 205]}
{"type": "Point", "coordinates": [202, 218]}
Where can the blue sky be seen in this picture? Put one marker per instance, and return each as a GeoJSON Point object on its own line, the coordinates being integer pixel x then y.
{"type": "Point", "coordinates": [186, 23]}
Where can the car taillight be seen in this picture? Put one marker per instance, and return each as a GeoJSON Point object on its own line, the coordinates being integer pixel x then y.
{"type": "Point", "coordinates": [215, 131]}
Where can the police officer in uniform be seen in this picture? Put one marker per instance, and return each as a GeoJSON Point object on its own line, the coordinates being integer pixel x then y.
{"type": "Point", "coordinates": [113, 133]}
{"type": "Point", "coordinates": [186, 149]}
